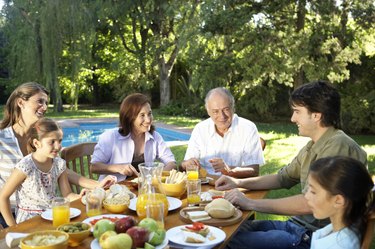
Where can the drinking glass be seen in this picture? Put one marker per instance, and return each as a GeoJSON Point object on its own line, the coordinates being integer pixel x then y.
{"type": "Point", "coordinates": [93, 204]}
{"type": "Point", "coordinates": [192, 172]}
{"type": "Point", "coordinates": [193, 192]}
{"type": "Point", "coordinates": [60, 211]}
{"type": "Point", "coordinates": [156, 211]}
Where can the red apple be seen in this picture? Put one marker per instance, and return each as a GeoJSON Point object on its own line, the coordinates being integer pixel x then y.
{"type": "Point", "coordinates": [123, 224]}
{"type": "Point", "coordinates": [139, 235]}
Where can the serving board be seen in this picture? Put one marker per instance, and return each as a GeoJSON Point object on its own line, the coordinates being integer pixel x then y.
{"type": "Point", "coordinates": [237, 217]}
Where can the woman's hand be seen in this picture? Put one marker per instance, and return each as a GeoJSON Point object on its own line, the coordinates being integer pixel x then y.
{"type": "Point", "coordinates": [127, 170]}
{"type": "Point", "coordinates": [107, 181]}
{"type": "Point", "coordinates": [226, 182]}
{"type": "Point", "coordinates": [83, 192]}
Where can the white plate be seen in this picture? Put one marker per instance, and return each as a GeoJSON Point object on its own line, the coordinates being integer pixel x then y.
{"type": "Point", "coordinates": [95, 244]}
{"type": "Point", "coordinates": [174, 203]}
{"type": "Point", "coordinates": [176, 236]}
{"type": "Point", "coordinates": [88, 220]}
{"type": "Point", "coordinates": [47, 215]}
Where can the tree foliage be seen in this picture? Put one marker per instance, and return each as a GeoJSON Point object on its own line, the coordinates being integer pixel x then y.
{"type": "Point", "coordinates": [102, 50]}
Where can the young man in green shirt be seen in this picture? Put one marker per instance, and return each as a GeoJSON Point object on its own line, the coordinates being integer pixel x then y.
{"type": "Point", "coordinates": [316, 112]}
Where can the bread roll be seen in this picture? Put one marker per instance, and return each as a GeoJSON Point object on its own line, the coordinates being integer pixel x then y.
{"type": "Point", "coordinates": [202, 172]}
{"type": "Point", "coordinates": [215, 192]}
{"type": "Point", "coordinates": [220, 208]}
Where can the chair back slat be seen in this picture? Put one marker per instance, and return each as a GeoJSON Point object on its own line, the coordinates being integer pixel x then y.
{"type": "Point", "coordinates": [78, 158]}
{"type": "Point", "coordinates": [90, 173]}
{"type": "Point", "coordinates": [369, 235]}
{"type": "Point", "coordinates": [263, 143]}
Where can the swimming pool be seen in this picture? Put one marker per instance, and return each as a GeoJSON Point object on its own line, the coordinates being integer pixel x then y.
{"type": "Point", "coordinates": [90, 132]}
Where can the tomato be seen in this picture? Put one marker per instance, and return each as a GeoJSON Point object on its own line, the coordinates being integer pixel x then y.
{"type": "Point", "coordinates": [196, 226]}
{"type": "Point", "coordinates": [113, 219]}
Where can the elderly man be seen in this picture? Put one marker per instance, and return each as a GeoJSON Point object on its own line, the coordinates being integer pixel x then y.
{"type": "Point", "coordinates": [224, 143]}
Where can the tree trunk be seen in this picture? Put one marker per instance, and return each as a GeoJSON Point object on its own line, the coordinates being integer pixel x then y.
{"type": "Point", "coordinates": [165, 88]}
{"type": "Point", "coordinates": [298, 78]}
{"type": "Point", "coordinates": [343, 23]}
{"type": "Point", "coordinates": [55, 86]}
{"type": "Point", "coordinates": [96, 100]}
{"type": "Point", "coordinates": [39, 47]}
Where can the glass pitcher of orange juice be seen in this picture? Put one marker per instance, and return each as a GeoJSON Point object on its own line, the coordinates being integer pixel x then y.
{"type": "Point", "coordinates": [150, 189]}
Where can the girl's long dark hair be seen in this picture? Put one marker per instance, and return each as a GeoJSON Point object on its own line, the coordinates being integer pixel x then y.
{"type": "Point", "coordinates": [347, 177]}
{"type": "Point", "coordinates": [39, 130]}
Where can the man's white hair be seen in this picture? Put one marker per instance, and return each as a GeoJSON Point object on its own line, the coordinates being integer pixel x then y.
{"type": "Point", "coordinates": [222, 91]}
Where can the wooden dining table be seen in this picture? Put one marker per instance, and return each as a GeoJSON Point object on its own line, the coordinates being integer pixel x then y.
{"type": "Point", "coordinates": [173, 219]}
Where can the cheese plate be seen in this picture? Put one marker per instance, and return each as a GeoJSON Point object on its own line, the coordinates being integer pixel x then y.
{"type": "Point", "coordinates": [237, 217]}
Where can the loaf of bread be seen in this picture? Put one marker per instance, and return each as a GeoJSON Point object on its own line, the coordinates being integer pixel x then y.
{"type": "Point", "coordinates": [220, 208]}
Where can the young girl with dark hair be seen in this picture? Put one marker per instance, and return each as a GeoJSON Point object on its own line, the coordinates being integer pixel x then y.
{"type": "Point", "coordinates": [340, 188]}
{"type": "Point", "coordinates": [37, 176]}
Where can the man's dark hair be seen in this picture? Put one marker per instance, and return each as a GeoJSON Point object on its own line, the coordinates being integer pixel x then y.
{"type": "Point", "coordinates": [320, 97]}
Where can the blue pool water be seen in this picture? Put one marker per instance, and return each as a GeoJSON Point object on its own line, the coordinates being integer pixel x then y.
{"type": "Point", "coordinates": [89, 132]}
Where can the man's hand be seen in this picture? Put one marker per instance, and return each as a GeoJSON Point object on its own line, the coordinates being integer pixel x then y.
{"type": "Point", "coordinates": [237, 198]}
{"type": "Point", "coordinates": [226, 182]}
{"type": "Point", "coordinates": [219, 165]}
{"type": "Point", "coordinates": [126, 169]}
{"type": "Point", "coordinates": [191, 161]}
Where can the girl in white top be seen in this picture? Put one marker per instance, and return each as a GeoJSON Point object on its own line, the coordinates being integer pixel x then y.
{"type": "Point", "coordinates": [340, 188]}
{"type": "Point", "coordinates": [36, 177]}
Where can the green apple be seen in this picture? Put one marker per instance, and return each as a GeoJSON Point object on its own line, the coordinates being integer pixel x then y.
{"type": "Point", "coordinates": [103, 226]}
{"type": "Point", "coordinates": [150, 224]}
{"type": "Point", "coordinates": [149, 246]}
{"type": "Point", "coordinates": [157, 237]}
{"type": "Point", "coordinates": [119, 241]}
{"type": "Point", "coordinates": [105, 236]}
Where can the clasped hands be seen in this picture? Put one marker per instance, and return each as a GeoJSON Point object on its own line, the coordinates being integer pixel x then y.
{"type": "Point", "coordinates": [218, 164]}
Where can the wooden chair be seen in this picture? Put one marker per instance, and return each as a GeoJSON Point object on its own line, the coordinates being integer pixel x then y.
{"type": "Point", "coordinates": [366, 243]}
{"type": "Point", "coordinates": [78, 159]}
{"type": "Point", "coordinates": [263, 143]}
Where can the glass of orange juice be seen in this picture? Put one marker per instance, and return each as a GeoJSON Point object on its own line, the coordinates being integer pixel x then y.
{"type": "Point", "coordinates": [144, 199]}
{"type": "Point", "coordinates": [192, 172]}
{"type": "Point", "coordinates": [60, 211]}
{"type": "Point", "coordinates": [193, 192]}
